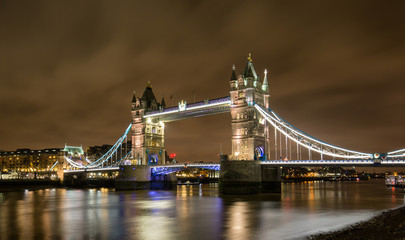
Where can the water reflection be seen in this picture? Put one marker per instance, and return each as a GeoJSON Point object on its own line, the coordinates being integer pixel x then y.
{"type": "Point", "coordinates": [237, 224]}
{"type": "Point", "coordinates": [191, 212]}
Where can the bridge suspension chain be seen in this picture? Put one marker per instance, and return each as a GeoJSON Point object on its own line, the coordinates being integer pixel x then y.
{"type": "Point", "coordinates": [107, 156]}
{"type": "Point", "coordinates": [307, 141]}
{"type": "Point", "coordinates": [396, 154]}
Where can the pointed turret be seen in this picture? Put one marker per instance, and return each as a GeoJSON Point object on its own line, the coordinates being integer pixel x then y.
{"type": "Point", "coordinates": [250, 70]}
{"type": "Point", "coordinates": [134, 97]}
{"type": "Point", "coordinates": [148, 97]}
{"type": "Point", "coordinates": [133, 102]}
{"type": "Point", "coordinates": [265, 85]}
{"type": "Point", "coordinates": [233, 76]}
{"type": "Point", "coordinates": [234, 80]}
{"type": "Point", "coordinates": [163, 103]}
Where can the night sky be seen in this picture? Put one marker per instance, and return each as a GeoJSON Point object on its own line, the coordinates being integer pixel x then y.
{"type": "Point", "coordinates": [68, 69]}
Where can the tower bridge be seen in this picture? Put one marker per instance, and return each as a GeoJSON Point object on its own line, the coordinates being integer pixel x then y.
{"type": "Point", "coordinates": [262, 141]}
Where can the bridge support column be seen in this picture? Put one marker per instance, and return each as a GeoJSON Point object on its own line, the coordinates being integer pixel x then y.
{"type": "Point", "coordinates": [271, 179]}
{"type": "Point", "coordinates": [133, 177]}
{"type": "Point", "coordinates": [240, 177]}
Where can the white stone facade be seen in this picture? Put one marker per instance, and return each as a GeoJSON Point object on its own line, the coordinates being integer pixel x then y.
{"type": "Point", "coordinates": [248, 129]}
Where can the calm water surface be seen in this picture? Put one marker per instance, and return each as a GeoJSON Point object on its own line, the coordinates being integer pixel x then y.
{"type": "Point", "coordinates": [192, 212]}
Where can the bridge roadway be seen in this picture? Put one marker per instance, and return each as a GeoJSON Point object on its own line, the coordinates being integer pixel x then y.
{"type": "Point", "coordinates": [164, 169]}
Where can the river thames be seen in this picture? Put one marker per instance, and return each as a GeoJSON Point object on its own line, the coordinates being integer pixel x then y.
{"type": "Point", "coordinates": [192, 212]}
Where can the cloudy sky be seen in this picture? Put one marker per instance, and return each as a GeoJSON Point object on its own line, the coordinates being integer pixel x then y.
{"type": "Point", "coordinates": [68, 69]}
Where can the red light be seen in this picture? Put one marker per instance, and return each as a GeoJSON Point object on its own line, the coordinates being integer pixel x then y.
{"type": "Point", "coordinates": [172, 155]}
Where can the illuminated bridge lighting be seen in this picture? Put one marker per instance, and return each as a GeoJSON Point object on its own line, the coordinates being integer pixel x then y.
{"type": "Point", "coordinates": [308, 141]}
{"type": "Point", "coordinates": [207, 104]}
{"type": "Point", "coordinates": [167, 169]}
{"type": "Point", "coordinates": [346, 157]}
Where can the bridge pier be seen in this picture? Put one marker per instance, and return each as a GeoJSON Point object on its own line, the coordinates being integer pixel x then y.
{"type": "Point", "coordinates": [77, 179]}
{"type": "Point", "coordinates": [133, 177]}
{"type": "Point", "coordinates": [240, 177]}
{"type": "Point", "coordinates": [138, 177]}
{"type": "Point", "coordinates": [271, 179]}
{"type": "Point", "coordinates": [248, 177]}
{"type": "Point", "coordinates": [61, 175]}
{"type": "Point", "coordinates": [167, 181]}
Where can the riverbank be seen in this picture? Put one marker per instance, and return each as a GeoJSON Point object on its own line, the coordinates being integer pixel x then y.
{"type": "Point", "coordinates": [27, 184]}
{"type": "Point", "coordinates": [389, 224]}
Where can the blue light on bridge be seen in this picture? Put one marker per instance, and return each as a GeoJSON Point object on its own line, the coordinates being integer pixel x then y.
{"type": "Point", "coordinates": [259, 153]}
{"type": "Point", "coordinates": [153, 159]}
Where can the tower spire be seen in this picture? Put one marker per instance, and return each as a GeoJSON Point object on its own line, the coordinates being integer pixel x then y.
{"type": "Point", "coordinates": [134, 97]}
{"type": "Point", "coordinates": [265, 85]}
{"type": "Point", "coordinates": [250, 70]}
{"type": "Point", "coordinates": [233, 77]}
{"type": "Point", "coordinates": [163, 103]}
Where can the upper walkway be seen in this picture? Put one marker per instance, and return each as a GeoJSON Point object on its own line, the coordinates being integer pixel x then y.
{"type": "Point", "coordinates": [198, 109]}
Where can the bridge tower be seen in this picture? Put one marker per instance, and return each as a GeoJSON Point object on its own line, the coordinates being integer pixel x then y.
{"type": "Point", "coordinates": [147, 134]}
{"type": "Point", "coordinates": [243, 172]}
{"type": "Point", "coordinates": [249, 133]}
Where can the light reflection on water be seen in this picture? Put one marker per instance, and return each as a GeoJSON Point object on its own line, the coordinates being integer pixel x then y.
{"type": "Point", "coordinates": [191, 212]}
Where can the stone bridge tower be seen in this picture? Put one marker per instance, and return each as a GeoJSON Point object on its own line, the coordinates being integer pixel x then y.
{"type": "Point", "coordinates": [249, 133]}
{"type": "Point", "coordinates": [147, 134]}
{"type": "Point", "coordinates": [243, 173]}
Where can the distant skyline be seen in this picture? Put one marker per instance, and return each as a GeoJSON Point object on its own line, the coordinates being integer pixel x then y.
{"type": "Point", "coordinates": [68, 69]}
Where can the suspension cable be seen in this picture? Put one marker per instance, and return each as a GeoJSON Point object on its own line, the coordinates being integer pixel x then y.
{"type": "Point", "coordinates": [308, 141]}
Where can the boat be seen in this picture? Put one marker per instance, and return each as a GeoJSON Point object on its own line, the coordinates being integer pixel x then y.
{"type": "Point", "coordinates": [395, 181]}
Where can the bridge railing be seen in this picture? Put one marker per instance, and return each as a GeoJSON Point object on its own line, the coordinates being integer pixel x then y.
{"type": "Point", "coordinates": [170, 168]}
